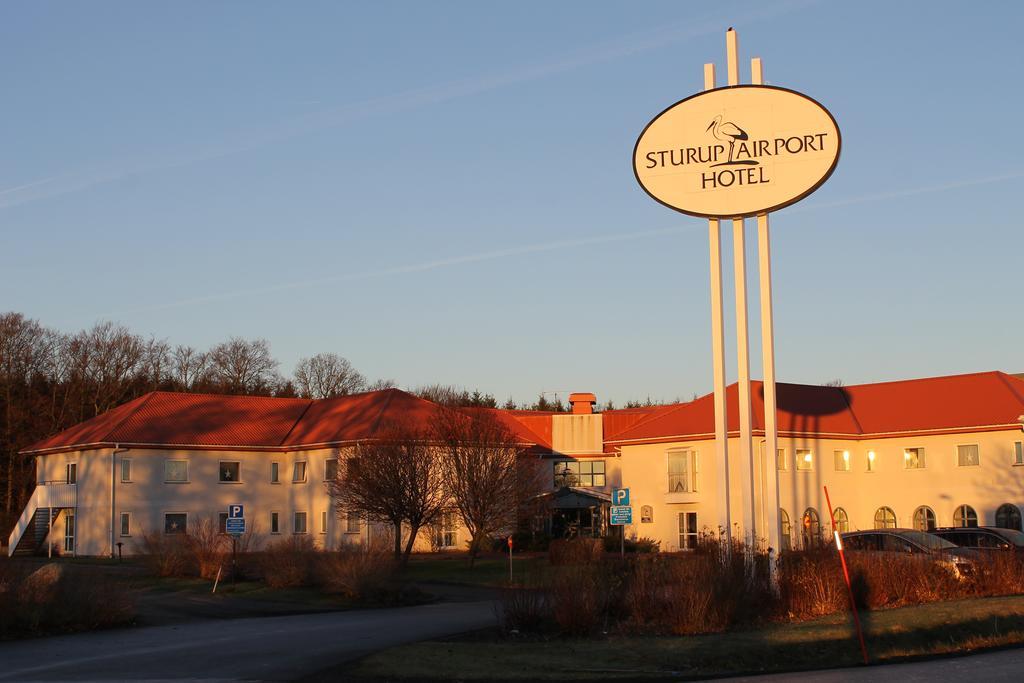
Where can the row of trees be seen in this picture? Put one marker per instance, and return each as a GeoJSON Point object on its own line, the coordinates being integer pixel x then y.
{"type": "Point", "coordinates": [466, 461]}
{"type": "Point", "coordinates": [51, 380]}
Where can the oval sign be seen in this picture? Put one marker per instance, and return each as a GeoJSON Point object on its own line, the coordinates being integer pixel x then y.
{"type": "Point", "coordinates": [737, 151]}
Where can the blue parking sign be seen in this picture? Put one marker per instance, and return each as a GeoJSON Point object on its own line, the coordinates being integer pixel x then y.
{"type": "Point", "coordinates": [620, 496]}
{"type": "Point", "coordinates": [235, 512]}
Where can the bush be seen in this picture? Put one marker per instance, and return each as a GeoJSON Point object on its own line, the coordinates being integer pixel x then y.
{"type": "Point", "coordinates": [57, 598]}
{"type": "Point", "coordinates": [164, 554]}
{"type": "Point", "coordinates": [208, 548]}
{"type": "Point", "coordinates": [524, 609]}
{"type": "Point", "coordinates": [357, 573]}
{"type": "Point", "coordinates": [575, 551]}
{"type": "Point", "coordinates": [288, 562]}
{"type": "Point", "coordinates": [632, 545]}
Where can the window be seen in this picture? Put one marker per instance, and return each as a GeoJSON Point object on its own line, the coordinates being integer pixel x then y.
{"type": "Point", "coordinates": [175, 523]}
{"type": "Point", "coordinates": [275, 522]}
{"type": "Point", "coordinates": [913, 459]}
{"type": "Point", "coordinates": [299, 526]}
{"type": "Point", "coordinates": [842, 520]}
{"type": "Point", "coordinates": [1018, 453]}
{"type": "Point", "coordinates": [780, 459]}
{"type": "Point", "coordinates": [323, 521]}
{"type": "Point", "coordinates": [579, 473]}
{"type": "Point", "coordinates": [126, 471]}
{"type": "Point", "coordinates": [967, 456]}
{"type": "Point", "coordinates": [69, 530]}
{"type": "Point", "coordinates": [811, 525]}
{"type": "Point", "coordinates": [331, 469]}
{"type": "Point", "coordinates": [71, 473]}
{"type": "Point", "coordinates": [786, 535]}
{"type": "Point", "coordinates": [804, 460]}
{"type": "Point", "coordinates": [229, 472]}
{"type": "Point", "coordinates": [352, 522]}
{"type": "Point", "coordinates": [176, 471]}
{"type": "Point", "coordinates": [646, 514]}
{"type": "Point", "coordinates": [924, 518]}
{"type": "Point", "coordinates": [885, 518]}
{"type": "Point", "coordinates": [222, 523]}
{"type": "Point", "coordinates": [275, 473]}
{"type": "Point", "coordinates": [682, 471]}
{"type": "Point", "coordinates": [1008, 517]}
{"type": "Point", "coordinates": [687, 530]}
{"type": "Point", "coordinates": [965, 516]}
{"type": "Point", "coordinates": [444, 531]}
{"type": "Point", "coordinates": [842, 461]}
{"type": "Point", "coordinates": [299, 473]}
{"type": "Point", "coordinates": [871, 461]}
{"type": "Point", "coordinates": [126, 524]}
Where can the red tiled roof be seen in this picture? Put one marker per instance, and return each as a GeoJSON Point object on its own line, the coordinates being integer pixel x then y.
{"type": "Point", "coordinates": [976, 400]}
{"type": "Point", "coordinates": [357, 417]}
{"type": "Point", "coordinates": [173, 419]}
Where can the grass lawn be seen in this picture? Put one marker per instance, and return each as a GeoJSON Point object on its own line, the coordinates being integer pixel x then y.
{"type": "Point", "coordinates": [931, 629]}
{"type": "Point", "coordinates": [486, 571]}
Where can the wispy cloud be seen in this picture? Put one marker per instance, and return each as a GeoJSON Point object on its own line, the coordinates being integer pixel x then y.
{"type": "Point", "coordinates": [409, 268]}
{"type": "Point", "coordinates": [909, 192]}
{"type": "Point", "coordinates": [623, 47]}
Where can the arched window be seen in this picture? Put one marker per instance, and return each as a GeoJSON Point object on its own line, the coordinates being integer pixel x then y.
{"type": "Point", "coordinates": [810, 528]}
{"type": "Point", "coordinates": [924, 518]}
{"type": "Point", "coordinates": [842, 520]}
{"type": "Point", "coordinates": [885, 518]}
{"type": "Point", "coordinates": [786, 536]}
{"type": "Point", "coordinates": [965, 516]}
{"type": "Point", "coordinates": [1008, 517]}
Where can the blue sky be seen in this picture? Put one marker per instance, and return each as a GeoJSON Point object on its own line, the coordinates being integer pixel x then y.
{"type": "Point", "coordinates": [443, 192]}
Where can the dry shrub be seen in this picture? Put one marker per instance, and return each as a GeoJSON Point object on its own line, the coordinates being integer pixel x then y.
{"type": "Point", "coordinates": [57, 598]}
{"type": "Point", "coordinates": [999, 573]}
{"type": "Point", "coordinates": [357, 572]}
{"type": "Point", "coordinates": [524, 609]}
{"type": "Point", "coordinates": [581, 595]}
{"type": "Point", "coordinates": [164, 554]}
{"type": "Point", "coordinates": [811, 584]}
{"type": "Point", "coordinates": [288, 562]}
{"type": "Point", "coordinates": [208, 548]}
{"type": "Point", "coordinates": [575, 551]}
{"type": "Point", "coordinates": [884, 580]}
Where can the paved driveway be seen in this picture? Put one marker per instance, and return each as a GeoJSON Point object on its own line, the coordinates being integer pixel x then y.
{"type": "Point", "coordinates": [990, 667]}
{"type": "Point", "coordinates": [266, 648]}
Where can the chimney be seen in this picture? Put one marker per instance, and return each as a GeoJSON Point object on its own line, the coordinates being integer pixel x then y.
{"type": "Point", "coordinates": [582, 403]}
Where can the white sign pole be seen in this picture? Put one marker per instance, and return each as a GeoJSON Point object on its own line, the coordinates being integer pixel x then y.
{"type": "Point", "coordinates": [771, 430]}
{"type": "Point", "coordinates": [742, 337]}
{"type": "Point", "coordinates": [718, 362]}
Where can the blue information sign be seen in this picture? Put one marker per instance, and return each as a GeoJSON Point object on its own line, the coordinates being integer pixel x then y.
{"type": "Point", "coordinates": [620, 496]}
{"type": "Point", "coordinates": [621, 514]}
{"type": "Point", "coordinates": [235, 526]}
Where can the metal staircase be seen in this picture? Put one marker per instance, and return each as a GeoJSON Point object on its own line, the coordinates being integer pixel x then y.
{"type": "Point", "coordinates": [47, 501]}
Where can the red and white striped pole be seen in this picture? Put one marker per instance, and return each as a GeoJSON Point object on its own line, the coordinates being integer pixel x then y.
{"type": "Point", "coordinates": [846, 577]}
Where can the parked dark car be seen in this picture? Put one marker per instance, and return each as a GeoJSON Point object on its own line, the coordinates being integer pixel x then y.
{"type": "Point", "coordinates": [960, 561]}
{"type": "Point", "coordinates": [983, 538]}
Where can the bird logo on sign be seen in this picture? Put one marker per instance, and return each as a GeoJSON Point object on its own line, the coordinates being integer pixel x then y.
{"type": "Point", "coordinates": [727, 131]}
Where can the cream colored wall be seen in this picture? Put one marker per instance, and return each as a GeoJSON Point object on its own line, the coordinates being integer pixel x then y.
{"type": "Point", "coordinates": [941, 485]}
{"type": "Point", "coordinates": [575, 434]}
{"type": "Point", "coordinates": [147, 497]}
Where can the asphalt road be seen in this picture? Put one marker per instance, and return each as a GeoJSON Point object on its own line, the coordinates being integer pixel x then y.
{"type": "Point", "coordinates": [990, 667]}
{"type": "Point", "coordinates": [264, 649]}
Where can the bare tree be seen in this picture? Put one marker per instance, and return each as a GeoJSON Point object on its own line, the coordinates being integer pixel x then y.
{"type": "Point", "coordinates": [21, 350]}
{"type": "Point", "coordinates": [395, 479]}
{"type": "Point", "coordinates": [381, 384]}
{"type": "Point", "coordinates": [239, 366]}
{"type": "Point", "coordinates": [156, 363]}
{"type": "Point", "coordinates": [327, 375]}
{"type": "Point", "coordinates": [481, 469]}
{"type": "Point", "coordinates": [111, 357]}
{"type": "Point", "coordinates": [188, 367]}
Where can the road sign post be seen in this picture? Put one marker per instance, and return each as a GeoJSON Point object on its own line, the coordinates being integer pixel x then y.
{"type": "Point", "coordinates": [620, 515]}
